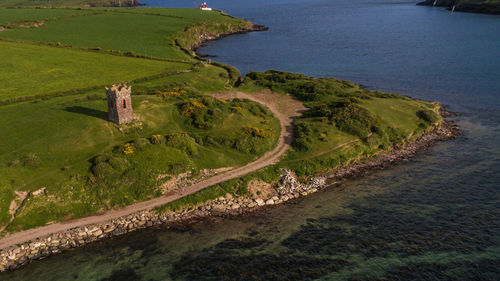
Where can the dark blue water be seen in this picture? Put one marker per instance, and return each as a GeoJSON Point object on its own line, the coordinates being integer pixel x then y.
{"type": "Point", "coordinates": [434, 218]}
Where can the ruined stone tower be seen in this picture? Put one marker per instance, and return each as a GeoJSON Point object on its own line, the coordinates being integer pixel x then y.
{"type": "Point", "coordinates": [119, 103]}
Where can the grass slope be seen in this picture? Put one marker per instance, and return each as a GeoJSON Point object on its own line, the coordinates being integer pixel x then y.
{"type": "Point", "coordinates": [54, 143]}
{"type": "Point", "coordinates": [344, 122]}
{"type": "Point", "coordinates": [323, 140]}
{"type": "Point", "coordinates": [147, 32]}
{"type": "Point", "coordinates": [31, 70]}
{"type": "Point", "coordinates": [30, 15]}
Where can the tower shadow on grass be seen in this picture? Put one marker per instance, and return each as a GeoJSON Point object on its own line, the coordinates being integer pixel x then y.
{"type": "Point", "coordinates": [88, 111]}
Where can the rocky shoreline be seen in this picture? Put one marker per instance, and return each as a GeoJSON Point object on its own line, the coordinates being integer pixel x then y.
{"type": "Point", "coordinates": [482, 7]}
{"type": "Point", "coordinates": [206, 37]}
{"type": "Point", "coordinates": [286, 189]}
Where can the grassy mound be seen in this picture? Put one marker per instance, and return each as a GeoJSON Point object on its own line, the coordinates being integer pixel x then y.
{"type": "Point", "coordinates": [113, 165]}
{"type": "Point", "coordinates": [344, 122]}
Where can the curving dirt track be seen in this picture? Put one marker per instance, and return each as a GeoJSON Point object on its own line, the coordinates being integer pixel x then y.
{"type": "Point", "coordinates": [284, 107]}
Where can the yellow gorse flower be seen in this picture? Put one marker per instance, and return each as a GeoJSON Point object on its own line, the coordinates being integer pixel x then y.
{"type": "Point", "coordinates": [261, 133]}
{"type": "Point", "coordinates": [175, 92]}
{"type": "Point", "coordinates": [128, 148]}
{"type": "Point", "coordinates": [189, 108]}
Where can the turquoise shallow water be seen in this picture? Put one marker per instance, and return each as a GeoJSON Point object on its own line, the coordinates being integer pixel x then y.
{"type": "Point", "coordinates": [436, 217]}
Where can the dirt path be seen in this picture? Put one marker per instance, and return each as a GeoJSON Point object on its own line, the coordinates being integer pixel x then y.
{"type": "Point", "coordinates": [282, 106]}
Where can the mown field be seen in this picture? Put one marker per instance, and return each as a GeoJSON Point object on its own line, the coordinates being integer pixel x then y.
{"type": "Point", "coordinates": [31, 15]}
{"type": "Point", "coordinates": [36, 71]}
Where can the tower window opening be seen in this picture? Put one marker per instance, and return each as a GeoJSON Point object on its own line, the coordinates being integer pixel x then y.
{"type": "Point", "coordinates": [124, 103]}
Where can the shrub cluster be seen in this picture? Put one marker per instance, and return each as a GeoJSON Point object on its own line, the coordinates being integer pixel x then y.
{"type": "Point", "coordinates": [309, 89]}
{"type": "Point", "coordinates": [141, 143]}
{"type": "Point", "coordinates": [188, 108]}
{"type": "Point", "coordinates": [301, 86]}
{"type": "Point", "coordinates": [348, 116]}
{"type": "Point", "coordinates": [128, 148]}
{"type": "Point", "coordinates": [260, 133]}
{"type": "Point", "coordinates": [158, 139]}
{"type": "Point", "coordinates": [428, 115]}
{"type": "Point", "coordinates": [105, 165]}
{"type": "Point", "coordinates": [302, 137]}
{"type": "Point", "coordinates": [175, 92]}
{"type": "Point", "coordinates": [205, 112]}
{"type": "Point", "coordinates": [184, 142]}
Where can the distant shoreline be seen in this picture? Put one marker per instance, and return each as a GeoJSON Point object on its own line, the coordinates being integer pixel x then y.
{"type": "Point", "coordinates": [480, 8]}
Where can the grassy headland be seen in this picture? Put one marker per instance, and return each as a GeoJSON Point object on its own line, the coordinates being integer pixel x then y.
{"type": "Point", "coordinates": [53, 109]}
{"type": "Point", "coordinates": [472, 6]}
{"type": "Point", "coordinates": [55, 135]}
{"type": "Point", "coordinates": [343, 124]}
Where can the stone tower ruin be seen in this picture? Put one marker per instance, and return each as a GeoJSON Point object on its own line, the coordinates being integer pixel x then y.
{"type": "Point", "coordinates": [119, 103]}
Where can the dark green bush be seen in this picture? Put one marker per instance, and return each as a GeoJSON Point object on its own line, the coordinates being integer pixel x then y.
{"type": "Point", "coordinates": [158, 139]}
{"type": "Point", "coordinates": [348, 116]}
{"type": "Point", "coordinates": [183, 142]}
{"type": "Point", "coordinates": [105, 165]}
{"type": "Point", "coordinates": [204, 112]}
{"type": "Point", "coordinates": [302, 137]}
{"type": "Point", "coordinates": [428, 115]}
{"type": "Point", "coordinates": [102, 169]}
{"type": "Point", "coordinates": [141, 143]}
{"type": "Point", "coordinates": [118, 163]}
{"type": "Point", "coordinates": [101, 158]}
{"type": "Point", "coordinates": [177, 168]}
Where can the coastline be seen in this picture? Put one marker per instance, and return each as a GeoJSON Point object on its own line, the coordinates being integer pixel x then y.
{"type": "Point", "coordinates": [207, 36]}
{"type": "Point", "coordinates": [479, 8]}
{"type": "Point", "coordinates": [287, 188]}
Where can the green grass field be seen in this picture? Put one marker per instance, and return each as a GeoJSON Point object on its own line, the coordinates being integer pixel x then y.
{"type": "Point", "coordinates": [53, 109]}
{"type": "Point", "coordinates": [149, 33]}
{"type": "Point", "coordinates": [32, 70]}
{"type": "Point", "coordinates": [64, 134]}
{"type": "Point", "coordinates": [23, 15]}
{"type": "Point", "coordinates": [64, 3]}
